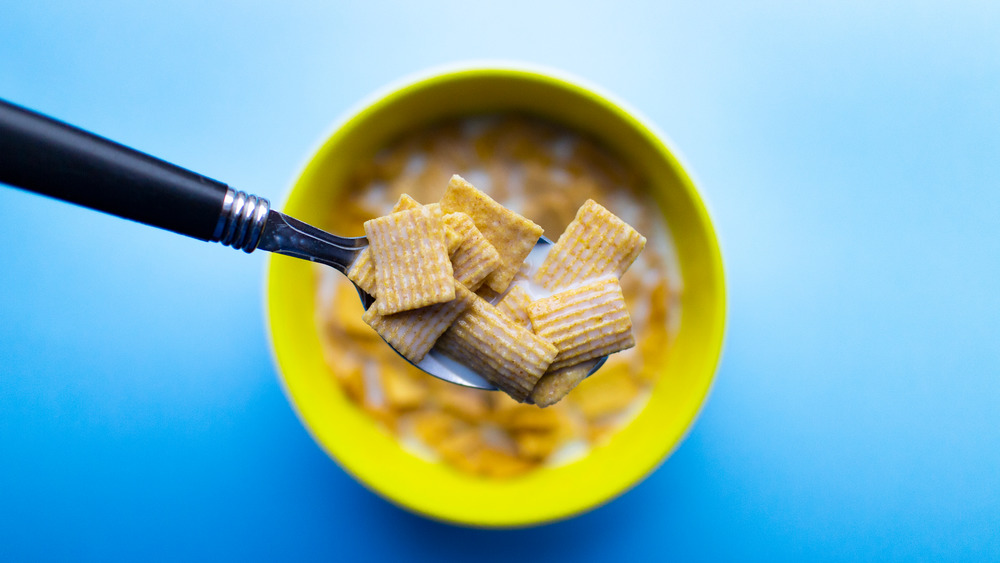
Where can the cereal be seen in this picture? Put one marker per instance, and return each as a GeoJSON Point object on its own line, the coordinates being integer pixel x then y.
{"type": "Point", "coordinates": [511, 234]}
{"type": "Point", "coordinates": [586, 322]}
{"type": "Point", "coordinates": [402, 392]}
{"type": "Point", "coordinates": [413, 333]}
{"type": "Point", "coordinates": [515, 305]}
{"type": "Point", "coordinates": [557, 383]}
{"type": "Point", "coordinates": [596, 243]}
{"type": "Point", "coordinates": [412, 268]}
{"type": "Point", "coordinates": [362, 270]}
{"type": "Point", "coordinates": [347, 310]}
{"type": "Point", "coordinates": [597, 397]}
{"type": "Point", "coordinates": [508, 355]}
{"type": "Point", "coordinates": [474, 258]}
{"type": "Point", "coordinates": [451, 237]}
{"type": "Point", "coordinates": [542, 172]}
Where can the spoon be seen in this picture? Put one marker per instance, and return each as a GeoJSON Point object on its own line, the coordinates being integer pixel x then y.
{"type": "Point", "coordinates": [52, 158]}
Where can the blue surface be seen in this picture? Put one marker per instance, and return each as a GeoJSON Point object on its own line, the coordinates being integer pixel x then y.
{"type": "Point", "coordinates": [850, 152]}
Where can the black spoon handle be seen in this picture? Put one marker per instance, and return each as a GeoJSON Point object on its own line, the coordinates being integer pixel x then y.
{"type": "Point", "coordinates": [49, 157]}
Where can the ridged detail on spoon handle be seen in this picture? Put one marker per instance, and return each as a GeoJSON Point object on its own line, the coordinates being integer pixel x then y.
{"type": "Point", "coordinates": [241, 220]}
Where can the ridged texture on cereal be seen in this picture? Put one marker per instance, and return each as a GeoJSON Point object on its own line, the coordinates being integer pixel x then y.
{"type": "Point", "coordinates": [362, 270]}
{"type": "Point", "coordinates": [515, 305]}
{"type": "Point", "coordinates": [413, 333]}
{"type": "Point", "coordinates": [585, 322]}
{"type": "Point", "coordinates": [508, 355]}
{"type": "Point", "coordinates": [595, 244]}
{"type": "Point", "coordinates": [412, 268]}
{"type": "Point", "coordinates": [557, 383]}
{"type": "Point", "coordinates": [512, 235]}
{"type": "Point", "coordinates": [452, 238]}
{"type": "Point", "coordinates": [475, 258]}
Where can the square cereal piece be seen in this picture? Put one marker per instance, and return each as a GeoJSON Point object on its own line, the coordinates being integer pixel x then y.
{"type": "Point", "coordinates": [413, 333]}
{"type": "Point", "coordinates": [451, 237]}
{"type": "Point", "coordinates": [596, 243]}
{"type": "Point", "coordinates": [475, 258]}
{"type": "Point", "coordinates": [512, 235]}
{"type": "Point", "coordinates": [515, 305]}
{"type": "Point", "coordinates": [585, 322]}
{"type": "Point", "coordinates": [507, 354]}
{"type": "Point", "coordinates": [405, 203]}
{"type": "Point", "coordinates": [412, 268]}
{"type": "Point", "coordinates": [362, 270]}
{"type": "Point", "coordinates": [557, 383]}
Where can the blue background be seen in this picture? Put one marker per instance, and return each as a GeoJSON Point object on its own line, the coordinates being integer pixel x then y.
{"type": "Point", "coordinates": [850, 153]}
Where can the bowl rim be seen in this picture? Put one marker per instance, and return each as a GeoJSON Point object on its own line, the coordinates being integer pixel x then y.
{"type": "Point", "coordinates": [637, 121]}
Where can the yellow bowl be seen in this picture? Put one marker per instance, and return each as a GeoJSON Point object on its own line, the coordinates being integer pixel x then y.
{"type": "Point", "coordinates": [374, 457]}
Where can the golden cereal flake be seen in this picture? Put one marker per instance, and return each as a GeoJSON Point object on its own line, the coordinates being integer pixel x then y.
{"type": "Point", "coordinates": [412, 268]}
{"type": "Point", "coordinates": [413, 333]}
{"type": "Point", "coordinates": [595, 243]}
{"type": "Point", "coordinates": [557, 383]}
{"type": "Point", "coordinates": [515, 305]}
{"type": "Point", "coordinates": [585, 322]}
{"type": "Point", "coordinates": [512, 235]}
{"type": "Point", "coordinates": [475, 258]}
{"type": "Point", "coordinates": [508, 355]}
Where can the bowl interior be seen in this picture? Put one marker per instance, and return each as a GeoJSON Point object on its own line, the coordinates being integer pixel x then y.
{"type": "Point", "coordinates": [373, 456]}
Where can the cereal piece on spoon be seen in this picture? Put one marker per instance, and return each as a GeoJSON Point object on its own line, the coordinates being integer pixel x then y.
{"type": "Point", "coordinates": [475, 258]}
{"type": "Point", "coordinates": [515, 305]}
{"type": "Point", "coordinates": [413, 333]}
{"type": "Point", "coordinates": [412, 268]}
{"type": "Point", "coordinates": [584, 323]}
{"type": "Point", "coordinates": [557, 383]}
{"type": "Point", "coordinates": [512, 235]}
{"type": "Point", "coordinates": [507, 354]}
{"type": "Point", "coordinates": [596, 243]}
{"type": "Point", "coordinates": [362, 270]}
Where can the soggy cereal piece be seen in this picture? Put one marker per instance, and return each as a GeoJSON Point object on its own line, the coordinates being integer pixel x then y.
{"type": "Point", "coordinates": [346, 310]}
{"type": "Point", "coordinates": [595, 243]}
{"type": "Point", "coordinates": [508, 355]}
{"type": "Point", "coordinates": [515, 305]}
{"type": "Point", "coordinates": [475, 258]}
{"type": "Point", "coordinates": [585, 322]}
{"type": "Point", "coordinates": [528, 418]}
{"type": "Point", "coordinates": [536, 445]}
{"type": "Point", "coordinates": [606, 394]}
{"type": "Point", "coordinates": [402, 390]}
{"type": "Point", "coordinates": [557, 383]}
{"type": "Point", "coordinates": [413, 333]}
{"type": "Point", "coordinates": [433, 427]}
{"type": "Point", "coordinates": [512, 235]}
{"type": "Point", "coordinates": [460, 445]}
{"type": "Point", "coordinates": [464, 402]}
{"type": "Point", "coordinates": [501, 465]}
{"type": "Point", "coordinates": [412, 268]}
{"type": "Point", "coordinates": [348, 375]}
